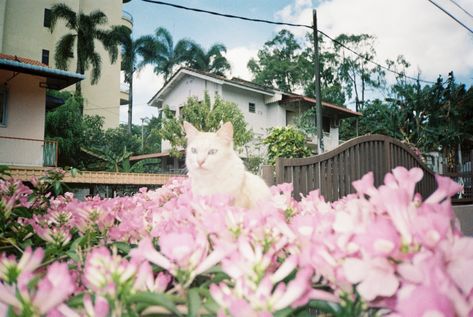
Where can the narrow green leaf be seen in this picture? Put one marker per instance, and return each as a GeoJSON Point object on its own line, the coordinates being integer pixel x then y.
{"type": "Point", "coordinates": [156, 299]}
{"type": "Point", "coordinates": [283, 312]}
{"type": "Point", "coordinates": [193, 302]}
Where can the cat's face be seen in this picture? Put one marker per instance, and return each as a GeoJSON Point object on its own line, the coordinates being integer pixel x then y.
{"type": "Point", "coordinates": [206, 151]}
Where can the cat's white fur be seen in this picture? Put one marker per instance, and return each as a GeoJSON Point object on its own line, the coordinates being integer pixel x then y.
{"type": "Point", "coordinates": [215, 168]}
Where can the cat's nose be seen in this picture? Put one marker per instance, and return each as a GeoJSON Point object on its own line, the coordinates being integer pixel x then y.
{"type": "Point", "coordinates": [200, 162]}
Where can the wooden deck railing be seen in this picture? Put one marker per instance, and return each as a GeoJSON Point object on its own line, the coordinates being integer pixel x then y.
{"type": "Point", "coordinates": [334, 171]}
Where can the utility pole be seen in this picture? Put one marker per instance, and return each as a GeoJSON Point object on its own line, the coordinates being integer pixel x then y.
{"type": "Point", "coordinates": [318, 100]}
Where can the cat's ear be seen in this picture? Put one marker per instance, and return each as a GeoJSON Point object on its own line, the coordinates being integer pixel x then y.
{"type": "Point", "coordinates": [190, 130]}
{"type": "Point", "coordinates": [226, 131]}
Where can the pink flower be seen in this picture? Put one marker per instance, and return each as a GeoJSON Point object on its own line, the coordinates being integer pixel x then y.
{"type": "Point", "coordinates": [376, 276]}
{"type": "Point", "coordinates": [181, 252]}
{"type": "Point", "coordinates": [54, 288]}
{"type": "Point", "coordinates": [446, 188]}
{"type": "Point", "coordinates": [29, 261]}
{"type": "Point", "coordinates": [365, 185]}
{"type": "Point", "coordinates": [100, 308]}
{"type": "Point", "coordinates": [105, 272]}
{"type": "Point", "coordinates": [423, 301]}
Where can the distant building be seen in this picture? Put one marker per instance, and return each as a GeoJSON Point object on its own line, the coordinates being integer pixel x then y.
{"type": "Point", "coordinates": [24, 31]}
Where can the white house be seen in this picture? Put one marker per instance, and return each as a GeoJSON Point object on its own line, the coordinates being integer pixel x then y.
{"type": "Point", "coordinates": [263, 107]}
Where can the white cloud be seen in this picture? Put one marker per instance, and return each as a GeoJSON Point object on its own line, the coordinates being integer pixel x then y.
{"type": "Point", "coordinates": [238, 58]}
{"type": "Point", "coordinates": [430, 40]}
{"type": "Point", "coordinates": [145, 84]}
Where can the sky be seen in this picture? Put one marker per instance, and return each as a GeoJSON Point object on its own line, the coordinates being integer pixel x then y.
{"type": "Point", "coordinates": [432, 42]}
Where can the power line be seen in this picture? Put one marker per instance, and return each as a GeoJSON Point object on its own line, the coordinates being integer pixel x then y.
{"type": "Point", "coordinates": [450, 15]}
{"type": "Point", "coordinates": [286, 24]}
{"type": "Point", "coordinates": [226, 15]}
{"type": "Point", "coordinates": [461, 8]}
{"type": "Point", "coordinates": [373, 62]}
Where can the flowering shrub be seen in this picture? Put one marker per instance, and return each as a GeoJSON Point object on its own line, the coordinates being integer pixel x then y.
{"type": "Point", "coordinates": [380, 251]}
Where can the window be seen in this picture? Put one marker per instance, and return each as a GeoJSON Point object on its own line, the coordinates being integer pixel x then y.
{"type": "Point", "coordinates": [47, 18]}
{"type": "Point", "coordinates": [45, 57]}
{"type": "Point", "coordinates": [3, 107]}
{"type": "Point", "coordinates": [251, 107]}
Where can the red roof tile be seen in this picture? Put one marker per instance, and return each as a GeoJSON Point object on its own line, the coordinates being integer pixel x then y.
{"type": "Point", "coordinates": [22, 60]}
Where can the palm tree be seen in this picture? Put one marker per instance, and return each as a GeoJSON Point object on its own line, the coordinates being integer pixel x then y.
{"type": "Point", "coordinates": [211, 61]}
{"type": "Point", "coordinates": [169, 56]}
{"type": "Point", "coordinates": [85, 31]}
{"type": "Point", "coordinates": [131, 49]}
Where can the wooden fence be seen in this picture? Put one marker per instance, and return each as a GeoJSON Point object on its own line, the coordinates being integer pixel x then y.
{"type": "Point", "coordinates": [334, 171]}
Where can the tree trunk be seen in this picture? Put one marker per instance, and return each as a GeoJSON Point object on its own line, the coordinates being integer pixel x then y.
{"type": "Point", "coordinates": [130, 104]}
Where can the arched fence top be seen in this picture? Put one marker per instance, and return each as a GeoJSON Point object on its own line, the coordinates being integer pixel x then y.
{"type": "Point", "coordinates": [334, 171]}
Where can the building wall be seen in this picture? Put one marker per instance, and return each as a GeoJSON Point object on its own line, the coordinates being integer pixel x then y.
{"type": "Point", "coordinates": [23, 34]}
{"type": "Point", "coordinates": [258, 120]}
{"type": "Point", "coordinates": [25, 119]}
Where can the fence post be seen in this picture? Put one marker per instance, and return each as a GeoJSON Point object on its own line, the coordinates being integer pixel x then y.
{"type": "Point", "coordinates": [267, 173]}
{"type": "Point", "coordinates": [387, 151]}
{"type": "Point", "coordinates": [279, 171]}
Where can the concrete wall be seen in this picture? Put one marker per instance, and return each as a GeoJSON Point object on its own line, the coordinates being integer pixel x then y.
{"type": "Point", "coordinates": [25, 119]}
{"type": "Point", "coordinates": [23, 34]}
{"type": "Point", "coordinates": [464, 214]}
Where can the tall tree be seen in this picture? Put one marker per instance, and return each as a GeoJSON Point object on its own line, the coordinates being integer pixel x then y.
{"type": "Point", "coordinates": [85, 30]}
{"type": "Point", "coordinates": [355, 72]}
{"type": "Point", "coordinates": [131, 50]}
{"type": "Point", "coordinates": [288, 65]}
{"type": "Point", "coordinates": [212, 61]}
{"type": "Point", "coordinates": [278, 63]}
{"type": "Point", "coordinates": [167, 55]}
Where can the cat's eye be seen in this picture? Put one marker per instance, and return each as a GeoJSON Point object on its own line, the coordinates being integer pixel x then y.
{"type": "Point", "coordinates": [193, 150]}
{"type": "Point", "coordinates": [212, 151]}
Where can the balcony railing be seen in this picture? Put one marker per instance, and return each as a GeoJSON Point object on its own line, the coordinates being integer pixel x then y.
{"type": "Point", "coordinates": [28, 152]}
{"type": "Point", "coordinates": [127, 16]}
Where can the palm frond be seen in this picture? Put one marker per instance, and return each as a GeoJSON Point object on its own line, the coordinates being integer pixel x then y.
{"type": "Point", "coordinates": [96, 62]}
{"type": "Point", "coordinates": [97, 17]}
{"type": "Point", "coordinates": [110, 41]}
{"type": "Point", "coordinates": [62, 11]}
{"type": "Point", "coordinates": [64, 51]}
{"type": "Point", "coordinates": [165, 38]}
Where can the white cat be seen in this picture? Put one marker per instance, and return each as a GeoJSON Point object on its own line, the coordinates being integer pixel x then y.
{"type": "Point", "coordinates": [215, 168]}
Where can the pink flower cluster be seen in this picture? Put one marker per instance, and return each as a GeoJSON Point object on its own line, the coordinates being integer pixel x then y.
{"type": "Point", "coordinates": [30, 292]}
{"type": "Point", "coordinates": [388, 246]}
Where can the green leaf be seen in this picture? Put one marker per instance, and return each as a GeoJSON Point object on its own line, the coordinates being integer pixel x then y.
{"type": "Point", "coordinates": [193, 302]}
{"type": "Point", "coordinates": [155, 299]}
{"type": "Point", "coordinates": [283, 312]}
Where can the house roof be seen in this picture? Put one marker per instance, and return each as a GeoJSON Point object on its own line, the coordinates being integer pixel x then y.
{"type": "Point", "coordinates": [55, 78]}
{"type": "Point", "coordinates": [183, 71]}
{"type": "Point", "coordinates": [287, 98]}
{"type": "Point", "coordinates": [329, 107]}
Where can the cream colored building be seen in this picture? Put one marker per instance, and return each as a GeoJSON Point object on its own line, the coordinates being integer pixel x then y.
{"type": "Point", "coordinates": [22, 33]}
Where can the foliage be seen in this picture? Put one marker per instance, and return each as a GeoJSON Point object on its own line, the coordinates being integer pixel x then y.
{"type": "Point", "coordinates": [122, 256]}
{"type": "Point", "coordinates": [85, 30]}
{"type": "Point", "coordinates": [434, 117]}
{"type": "Point", "coordinates": [206, 117]}
{"type": "Point", "coordinates": [279, 63]}
{"type": "Point", "coordinates": [118, 138]}
{"type": "Point", "coordinates": [167, 55]}
{"type": "Point", "coordinates": [72, 130]}
{"type": "Point", "coordinates": [212, 61]}
{"type": "Point", "coordinates": [112, 160]}
{"type": "Point", "coordinates": [152, 137]}
{"type": "Point", "coordinates": [286, 142]}
{"type": "Point", "coordinates": [377, 118]}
